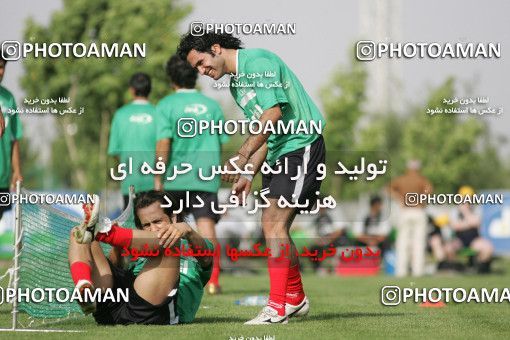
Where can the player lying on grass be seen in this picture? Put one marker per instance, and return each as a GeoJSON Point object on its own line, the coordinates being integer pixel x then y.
{"type": "Point", "coordinates": [159, 293]}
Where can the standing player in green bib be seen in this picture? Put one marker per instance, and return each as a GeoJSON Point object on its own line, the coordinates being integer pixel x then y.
{"type": "Point", "coordinates": [10, 125]}
{"type": "Point", "coordinates": [268, 91]}
{"type": "Point", "coordinates": [202, 151]}
{"type": "Point", "coordinates": [133, 135]}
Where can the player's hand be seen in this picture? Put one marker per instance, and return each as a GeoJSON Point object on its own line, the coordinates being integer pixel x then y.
{"type": "Point", "coordinates": [242, 185]}
{"type": "Point", "coordinates": [2, 124]}
{"type": "Point", "coordinates": [170, 233]}
{"type": "Point", "coordinates": [16, 176]}
{"type": "Point", "coordinates": [240, 162]}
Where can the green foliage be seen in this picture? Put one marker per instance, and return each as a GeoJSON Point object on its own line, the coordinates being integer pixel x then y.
{"type": "Point", "coordinates": [445, 143]}
{"type": "Point", "coordinates": [454, 149]}
{"type": "Point", "coordinates": [98, 84]}
{"type": "Point", "coordinates": [342, 97]}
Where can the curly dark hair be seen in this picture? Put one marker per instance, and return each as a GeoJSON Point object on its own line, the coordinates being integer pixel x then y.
{"type": "Point", "coordinates": [180, 72]}
{"type": "Point", "coordinates": [204, 42]}
{"type": "Point", "coordinates": [141, 83]}
{"type": "Point", "coordinates": [146, 198]}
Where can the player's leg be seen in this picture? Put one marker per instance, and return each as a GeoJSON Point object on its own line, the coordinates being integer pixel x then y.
{"type": "Point", "coordinates": [207, 229]}
{"type": "Point", "coordinates": [451, 248]}
{"type": "Point", "coordinates": [82, 267]}
{"type": "Point", "coordinates": [206, 223]}
{"type": "Point", "coordinates": [438, 250]}
{"type": "Point", "coordinates": [157, 280]}
{"type": "Point", "coordinates": [274, 227]}
{"type": "Point", "coordinates": [296, 302]}
{"type": "Point", "coordinates": [485, 249]}
{"type": "Point", "coordinates": [155, 288]}
{"type": "Point", "coordinates": [101, 272]}
{"type": "Point", "coordinates": [306, 187]}
{"type": "Point", "coordinates": [402, 243]}
{"type": "Point", "coordinates": [419, 242]}
{"type": "Point", "coordinates": [118, 236]}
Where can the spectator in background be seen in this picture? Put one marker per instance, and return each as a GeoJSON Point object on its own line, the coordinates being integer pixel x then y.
{"type": "Point", "coordinates": [133, 135]}
{"type": "Point", "coordinates": [374, 230]}
{"type": "Point", "coordinates": [439, 246]}
{"type": "Point", "coordinates": [10, 134]}
{"type": "Point", "coordinates": [329, 234]}
{"type": "Point", "coordinates": [412, 220]}
{"type": "Point", "coordinates": [465, 221]}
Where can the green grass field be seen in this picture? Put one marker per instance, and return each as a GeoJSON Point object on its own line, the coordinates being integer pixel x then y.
{"type": "Point", "coordinates": [341, 307]}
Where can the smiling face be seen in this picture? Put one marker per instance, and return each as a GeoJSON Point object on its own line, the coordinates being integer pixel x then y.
{"type": "Point", "coordinates": [152, 217]}
{"type": "Point", "coordinates": [209, 64]}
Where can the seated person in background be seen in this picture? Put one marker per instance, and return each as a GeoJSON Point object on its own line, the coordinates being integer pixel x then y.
{"type": "Point", "coordinates": [466, 221]}
{"type": "Point", "coordinates": [329, 234]}
{"type": "Point", "coordinates": [437, 245]}
{"type": "Point", "coordinates": [374, 230]}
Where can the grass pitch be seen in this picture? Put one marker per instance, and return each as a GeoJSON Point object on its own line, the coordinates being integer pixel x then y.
{"type": "Point", "coordinates": [341, 307]}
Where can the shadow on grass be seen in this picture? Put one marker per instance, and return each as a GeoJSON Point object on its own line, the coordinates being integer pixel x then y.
{"type": "Point", "coordinates": [332, 316]}
{"type": "Point", "coordinates": [219, 319]}
{"type": "Point", "coordinates": [264, 291]}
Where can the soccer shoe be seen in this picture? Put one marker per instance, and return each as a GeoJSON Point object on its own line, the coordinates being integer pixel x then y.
{"type": "Point", "coordinates": [213, 289]}
{"type": "Point", "coordinates": [86, 307]}
{"type": "Point", "coordinates": [87, 230]}
{"type": "Point", "coordinates": [268, 316]}
{"type": "Point", "coordinates": [300, 310]}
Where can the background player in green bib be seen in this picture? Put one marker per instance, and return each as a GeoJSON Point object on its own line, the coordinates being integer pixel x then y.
{"type": "Point", "coordinates": [10, 133]}
{"type": "Point", "coordinates": [268, 91]}
{"type": "Point", "coordinates": [202, 151]}
{"type": "Point", "coordinates": [133, 135]}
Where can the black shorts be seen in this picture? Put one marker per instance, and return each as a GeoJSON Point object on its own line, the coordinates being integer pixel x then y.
{"type": "Point", "coordinates": [125, 199]}
{"type": "Point", "coordinates": [305, 186]}
{"type": "Point", "coordinates": [3, 207]}
{"type": "Point", "coordinates": [136, 310]}
{"type": "Point", "coordinates": [436, 231]}
{"type": "Point", "coordinates": [468, 236]}
{"type": "Point", "coordinates": [207, 197]}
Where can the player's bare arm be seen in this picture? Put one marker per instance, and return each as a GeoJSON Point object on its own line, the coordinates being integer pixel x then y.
{"type": "Point", "coordinates": [163, 151]}
{"type": "Point", "coordinates": [16, 164]}
{"type": "Point", "coordinates": [2, 124]}
{"type": "Point", "coordinates": [253, 143]}
{"type": "Point", "coordinates": [243, 184]}
{"type": "Point", "coordinates": [170, 233]}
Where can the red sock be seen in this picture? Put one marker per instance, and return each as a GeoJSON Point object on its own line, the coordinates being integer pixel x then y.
{"type": "Point", "coordinates": [215, 275]}
{"type": "Point", "coordinates": [117, 236]}
{"type": "Point", "coordinates": [80, 271]}
{"type": "Point", "coordinates": [278, 276]}
{"type": "Point", "coordinates": [295, 293]}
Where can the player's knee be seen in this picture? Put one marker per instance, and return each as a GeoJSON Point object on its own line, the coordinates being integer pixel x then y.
{"type": "Point", "coordinates": [488, 248]}
{"type": "Point", "coordinates": [71, 234]}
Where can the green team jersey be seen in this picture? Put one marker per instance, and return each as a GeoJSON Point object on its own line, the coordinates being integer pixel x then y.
{"type": "Point", "coordinates": [262, 81]}
{"type": "Point", "coordinates": [13, 131]}
{"type": "Point", "coordinates": [202, 151]}
{"type": "Point", "coordinates": [192, 280]}
{"type": "Point", "coordinates": [133, 134]}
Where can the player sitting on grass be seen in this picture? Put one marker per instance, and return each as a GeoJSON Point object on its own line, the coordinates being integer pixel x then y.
{"type": "Point", "coordinates": [158, 294]}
